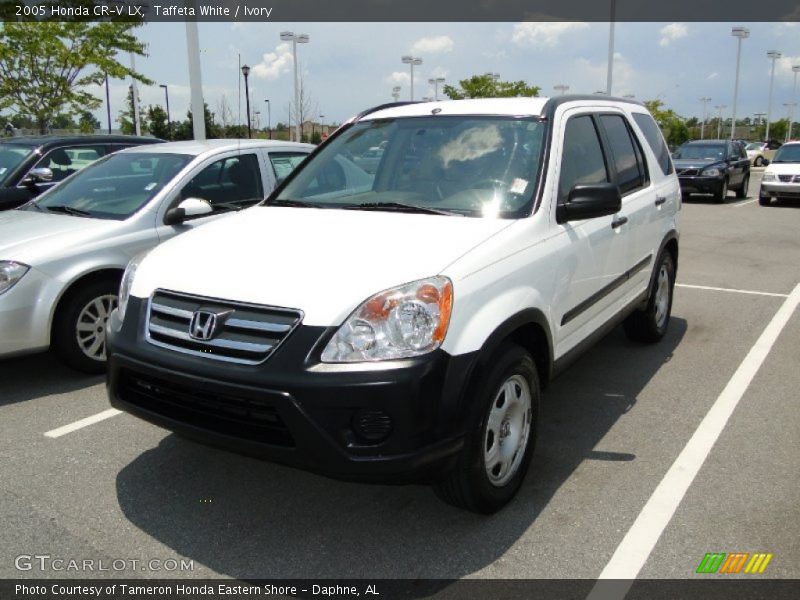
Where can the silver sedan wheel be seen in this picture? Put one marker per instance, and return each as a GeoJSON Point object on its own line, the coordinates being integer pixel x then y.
{"type": "Point", "coordinates": [507, 430]}
{"type": "Point", "coordinates": [90, 330]}
{"type": "Point", "coordinates": [662, 296]}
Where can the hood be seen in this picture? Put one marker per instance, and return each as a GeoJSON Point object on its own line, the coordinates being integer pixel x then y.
{"type": "Point", "coordinates": [31, 236]}
{"type": "Point", "coordinates": [694, 163]}
{"type": "Point", "coordinates": [780, 168]}
{"type": "Point", "coordinates": [324, 262]}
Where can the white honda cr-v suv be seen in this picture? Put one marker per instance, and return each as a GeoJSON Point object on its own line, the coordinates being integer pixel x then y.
{"type": "Point", "coordinates": [397, 324]}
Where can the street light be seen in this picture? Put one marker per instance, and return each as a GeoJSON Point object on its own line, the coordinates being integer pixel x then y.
{"type": "Point", "coordinates": [705, 100]}
{"type": "Point", "coordinates": [561, 87]}
{"type": "Point", "coordinates": [790, 106]}
{"type": "Point", "coordinates": [739, 33]}
{"type": "Point", "coordinates": [169, 123]}
{"type": "Point", "coordinates": [269, 119]}
{"type": "Point", "coordinates": [246, 73]}
{"type": "Point", "coordinates": [108, 105]}
{"type": "Point", "coordinates": [772, 55]}
{"type": "Point", "coordinates": [296, 38]}
{"type": "Point", "coordinates": [412, 62]}
{"type": "Point", "coordinates": [494, 76]}
{"type": "Point", "coordinates": [396, 93]}
{"type": "Point", "coordinates": [795, 70]}
{"type": "Point", "coordinates": [435, 81]}
{"type": "Point", "coordinates": [610, 73]}
{"type": "Point", "coordinates": [720, 107]}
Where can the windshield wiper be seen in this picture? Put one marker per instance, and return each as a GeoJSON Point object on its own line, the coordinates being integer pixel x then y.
{"type": "Point", "coordinates": [399, 207]}
{"type": "Point", "coordinates": [68, 210]}
{"type": "Point", "coordinates": [293, 203]}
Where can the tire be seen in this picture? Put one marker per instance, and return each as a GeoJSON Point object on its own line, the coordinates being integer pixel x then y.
{"type": "Point", "coordinates": [79, 329]}
{"type": "Point", "coordinates": [481, 483]}
{"type": "Point", "coordinates": [742, 191]}
{"type": "Point", "coordinates": [764, 200]}
{"type": "Point", "coordinates": [722, 193]}
{"type": "Point", "coordinates": [759, 161]}
{"type": "Point", "coordinates": [650, 324]}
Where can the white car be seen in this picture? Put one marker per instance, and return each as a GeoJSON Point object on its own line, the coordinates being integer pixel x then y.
{"type": "Point", "coordinates": [781, 178]}
{"type": "Point", "coordinates": [63, 254]}
{"type": "Point", "coordinates": [399, 326]}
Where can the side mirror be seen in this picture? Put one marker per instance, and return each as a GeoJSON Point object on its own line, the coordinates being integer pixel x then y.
{"type": "Point", "coordinates": [589, 202]}
{"type": "Point", "coordinates": [191, 207]}
{"type": "Point", "coordinates": [40, 175]}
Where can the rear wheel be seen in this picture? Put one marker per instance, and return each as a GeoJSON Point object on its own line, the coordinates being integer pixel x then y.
{"type": "Point", "coordinates": [499, 446]}
{"type": "Point", "coordinates": [79, 333]}
{"type": "Point", "coordinates": [722, 192]}
{"type": "Point", "coordinates": [742, 191]}
{"type": "Point", "coordinates": [650, 324]}
{"type": "Point", "coordinates": [759, 161]}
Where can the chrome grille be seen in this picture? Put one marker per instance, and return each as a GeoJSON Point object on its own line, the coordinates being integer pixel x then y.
{"type": "Point", "coordinates": [242, 333]}
{"type": "Point", "coordinates": [688, 172]}
{"type": "Point", "coordinates": [786, 178]}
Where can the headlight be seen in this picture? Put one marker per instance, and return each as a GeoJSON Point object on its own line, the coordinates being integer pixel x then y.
{"type": "Point", "coordinates": [406, 321]}
{"type": "Point", "coordinates": [711, 172]}
{"type": "Point", "coordinates": [10, 273]}
{"type": "Point", "coordinates": [769, 177]}
{"type": "Point", "coordinates": [127, 281]}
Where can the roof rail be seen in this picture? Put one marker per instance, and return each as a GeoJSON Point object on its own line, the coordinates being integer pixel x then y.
{"type": "Point", "coordinates": [374, 109]}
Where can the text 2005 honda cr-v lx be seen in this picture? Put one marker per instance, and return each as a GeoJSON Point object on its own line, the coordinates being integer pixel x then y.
{"type": "Point", "coordinates": [397, 323]}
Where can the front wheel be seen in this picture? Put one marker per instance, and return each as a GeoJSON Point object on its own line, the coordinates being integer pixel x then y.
{"type": "Point", "coordinates": [79, 332]}
{"type": "Point", "coordinates": [722, 192]}
{"type": "Point", "coordinates": [499, 447]}
{"type": "Point", "coordinates": [650, 324]}
{"type": "Point", "coordinates": [742, 191]}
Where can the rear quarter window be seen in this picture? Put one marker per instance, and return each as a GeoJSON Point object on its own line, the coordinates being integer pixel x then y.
{"type": "Point", "coordinates": [655, 140]}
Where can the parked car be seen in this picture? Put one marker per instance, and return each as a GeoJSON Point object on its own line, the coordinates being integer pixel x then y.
{"type": "Point", "coordinates": [62, 255]}
{"type": "Point", "coordinates": [781, 179]}
{"type": "Point", "coordinates": [399, 327]}
{"type": "Point", "coordinates": [32, 165]}
{"type": "Point", "coordinates": [713, 167]}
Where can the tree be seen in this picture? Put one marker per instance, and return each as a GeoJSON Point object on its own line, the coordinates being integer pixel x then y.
{"type": "Point", "coordinates": [126, 116]}
{"type": "Point", "coordinates": [87, 122]}
{"type": "Point", "coordinates": [48, 68]}
{"type": "Point", "coordinates": [157, 122]}
{"type": "Point", "coordinates": [185, 129]}
{"type": "Point", "coordinates": [485, 86]}
{"type": "Point", "coordinates": [672, 126]}
{"type": "Point", "coordinates": [306, 107]}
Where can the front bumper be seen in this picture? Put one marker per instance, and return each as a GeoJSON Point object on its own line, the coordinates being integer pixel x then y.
{"type": "Point", "coordinates": [26, 312]}
{"type": "Point", "coordinates": [777, 189]}
{"type": "Point", "coordinates": [701, 185]}
{"type": "Point", "coordinates": [295, 410]}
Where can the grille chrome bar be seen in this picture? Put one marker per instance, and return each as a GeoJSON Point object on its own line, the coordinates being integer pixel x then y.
{"type": "Point", "coordinates": [246, 346]}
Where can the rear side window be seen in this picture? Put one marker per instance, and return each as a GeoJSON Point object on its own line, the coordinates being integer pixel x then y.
{"type": "Point", "coordinates": [582, 160]}
{"type": "Point", "coordinates": [655, 140]}
{"type": "Point", "coordinates": [283, 163]}
{"type": "Point", "coordinates": [631, 174]}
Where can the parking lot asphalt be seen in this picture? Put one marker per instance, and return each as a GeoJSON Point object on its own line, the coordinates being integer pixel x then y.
{"type": "Point", "coordinates": [611, 428]}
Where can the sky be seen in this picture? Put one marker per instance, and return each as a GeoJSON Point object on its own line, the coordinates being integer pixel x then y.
{"type": "Point", "coordinates": [348, 67]}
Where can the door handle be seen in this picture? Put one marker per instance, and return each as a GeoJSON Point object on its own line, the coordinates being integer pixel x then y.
{"type": "Point", "coordinates": [618, 222]}
{"type": "Point", "coordinates": [660, 200]}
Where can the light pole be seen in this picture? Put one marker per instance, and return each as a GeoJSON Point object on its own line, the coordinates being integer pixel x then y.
{"type": "Point", "coordinates": [705, 100]}
{"type": "Point", "coordinates": [269, 119]}
{"type": "Point", "coordinates": [610, 74]}
{"type": "Point", "coordinates": [773, 55]}
{"type": "Point", "coordinates": [246, 73]}
{"type": "Point", "coordinates": [790, 106]}
{"type": "Point", "coordinates": [166, 96]}
{"type": "Point", "coordinates": [561, 87]}
{"type": "Point", "coordinates": [795, 70]}
{"type": "Point", "coordinates": [321, 126]}
{"type": "Point", "coordinates": [396, 93]}
{"type": "Point", "coordinates": [108, 105]}
{"type": "Point", "coordinates": [412, 62]}
{"type": "Point", "coordinates": [739, 33]}
{"type": "Point", "coordinates": [435, 81]}
{"type": "Point", "coordinates": [296, 38]}
{"type": "Point", "coordinates": [720, 107]}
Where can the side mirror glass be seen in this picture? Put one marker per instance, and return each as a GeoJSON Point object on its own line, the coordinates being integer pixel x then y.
{"type": "Point", "coordinates": [40, 175]}
{"type": "Point", "coordinates": [589, 202]}
{"type": "Point", "coordinates": [187, 209]}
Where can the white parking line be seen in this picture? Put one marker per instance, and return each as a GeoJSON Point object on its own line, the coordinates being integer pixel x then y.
{"type": "Point", "coordinates": [106, 414]}
{"type": "Point", "coordinates": [738, 204]}
{"type": "Point", "coordinates": [632, 553]}
{"type": "Point", "coordinates": [719, 289]}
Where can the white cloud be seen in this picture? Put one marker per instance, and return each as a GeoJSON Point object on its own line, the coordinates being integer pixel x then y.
{"type": "Point", "coordinates": [274, 64]}
{"type": "Point", "coordinates": [544, 35]}
{"type": "Point", "coordinates": [433, 45]}
{"type": "Point", "coordinates": [398, 78]}
{"type": "Point", "coordinates": [589, 77]}
{"type": "Point", "coordinates": [673, 31]}
{"type": "Point", "coordinates": [713, 75]}
{"type": "Point", "coordinates": [783, 67]}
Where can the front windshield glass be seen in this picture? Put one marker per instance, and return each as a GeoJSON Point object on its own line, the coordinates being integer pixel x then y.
{"type": "Point", "coordinates": [754, 146]}
{"type": "Point", "coordinates": [701, 152]}
{"type": "Point", "coordinates": [788, 153]}
{"type": "Point", "coordinates": [114, 187]}
{"type": "Point", "coordinates": [11, 155]}
{"type": "Point", "coordinates": [461, 165]}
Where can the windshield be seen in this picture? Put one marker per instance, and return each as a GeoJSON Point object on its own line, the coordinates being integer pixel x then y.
{"type": "Point", "coordinates": [754, 146]}
{"type": "Point", "coordinates": [788, 153]}
{"type": "Point", "coordinates": [701, 152]}
{"type": "Point", "coordinates": [11, 155]}
{"type": "Point", "coordinates": [461, 165]}
{"type": "Point", "coordinates": [114, 187]}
